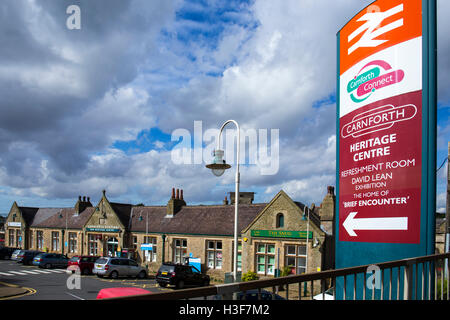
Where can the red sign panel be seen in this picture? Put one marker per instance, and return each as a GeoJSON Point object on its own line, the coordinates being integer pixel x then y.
{"type": "Point", "coordinates": [380, 171]}
{"type": "Point", "coordinates": [380, 124]}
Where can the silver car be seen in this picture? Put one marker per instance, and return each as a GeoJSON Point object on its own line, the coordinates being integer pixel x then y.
{"type": "Point", "coordinates": [118, 267]}
{"type": "Point", "coordinates": [16, 253]}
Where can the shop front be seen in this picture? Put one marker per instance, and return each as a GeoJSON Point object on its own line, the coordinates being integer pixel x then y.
{"type": "Point", "coordinates": [104, 241]}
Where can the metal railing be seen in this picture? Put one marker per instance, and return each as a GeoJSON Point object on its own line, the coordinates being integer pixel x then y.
{"type": "Point", "coordinates": [421, 278]}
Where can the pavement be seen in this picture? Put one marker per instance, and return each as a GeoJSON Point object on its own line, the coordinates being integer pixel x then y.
{"type": "Point", "coordinates": [8, 290]}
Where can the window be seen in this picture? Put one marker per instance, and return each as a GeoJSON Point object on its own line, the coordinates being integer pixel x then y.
{"type": "Point", "coordinates": [180, 250]}
{"type": "Point", "coordinates": [55, 241]}
{"type": "Point", "coordinates": [132, 263]}
{"type": "Point", "coordinates": [11, 238]}
{"type": "Point", "coordinates": [296, 258]}
{"type": "Point", "coordinates": [92, 245]}
{"type": "Point", "coordinates": [135, 242]}
{"type": "Point", "coordinates": [72, 242]}
{"type": "Point", "coordinates": [280, 220]}
{"type": "Point", "coordinates": [40, 239]}
{"type": "Point", "coordinates": [214, 254]}
{"type": "Point", "coordinates": [19, 237]}
{"type": "Point", "coordinates": [265, 258]}
{"type": "Point", "coordinates": [31, 239]}
{"type": "Point", "coordinates": [239, 256]}
{"type": "Point", "coordinates": [150, 255]}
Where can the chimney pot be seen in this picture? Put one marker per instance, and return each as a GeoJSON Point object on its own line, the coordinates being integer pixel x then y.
{"type": "Point", "coordinates": [84, 199]}
{"type": "Point", "coordinates": [178, 194]}
{"type": "Point", "coordinates": [173, 193]}
{"type": "Point", "coordinates": [181, 194]}
{"type": "Point", "coordinates": [79, 198]}
{"type": "Point", "coordinates": [89, 199]}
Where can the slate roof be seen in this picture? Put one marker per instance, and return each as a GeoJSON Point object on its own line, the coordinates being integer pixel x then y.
{"type": "Point", "coordinates": [28, 214]}
{"type": "Point", "coordinates": [123, 212]}
{"type": "Point", "coordinates": [210, 220]}
{"type": "Point", "coordinates": [50, 218]}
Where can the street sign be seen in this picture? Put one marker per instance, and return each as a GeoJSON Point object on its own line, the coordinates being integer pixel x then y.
{"type": "Point", "coordinates": [386, 133]}
{"type": "Point", "coordinates": [147, 246]}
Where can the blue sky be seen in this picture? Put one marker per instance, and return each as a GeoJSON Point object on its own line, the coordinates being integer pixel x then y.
{"type": "Point", "coordinates": [92, 109]}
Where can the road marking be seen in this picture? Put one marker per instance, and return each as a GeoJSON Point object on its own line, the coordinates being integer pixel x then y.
{"type": "Point", "coordinates": [6, 274]}
{"type": "Point", "coordinates": [74, 296]}
{"type": "Point", "coordinates": [42, 271]}
{"type": "Point", "coordinates": [27, 271]}
{"type": "Point", "coordinates": [57, 270]}
{"type": "Point", "coordinates": [17, 272]}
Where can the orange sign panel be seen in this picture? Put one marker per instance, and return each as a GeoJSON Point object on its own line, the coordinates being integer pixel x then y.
{"type": "Point", "coordinates": [383, 24]}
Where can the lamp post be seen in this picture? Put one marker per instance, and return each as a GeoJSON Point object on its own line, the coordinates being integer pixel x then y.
{"type": "Point", "coordinates": [307, 238]}
{"type": "Point", "coordinates": [64, 232]}
{"type": "Point", "coordinates": [218, 167]}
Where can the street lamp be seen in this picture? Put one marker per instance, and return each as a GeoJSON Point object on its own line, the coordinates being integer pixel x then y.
{"type": "Point", "coordinates": [218, 167]}
{"type": "Point", "coordinates": [306, 217]}
{"type": "Point", "coordinates": [64, 234]}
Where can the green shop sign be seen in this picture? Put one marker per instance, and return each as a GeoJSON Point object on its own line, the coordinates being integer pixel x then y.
{"type": "Point", "coordinates": [281, 234]}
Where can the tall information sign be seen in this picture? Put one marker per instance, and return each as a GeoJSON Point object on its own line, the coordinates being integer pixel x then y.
{"type": "Point", "coordinates": [386, 129]}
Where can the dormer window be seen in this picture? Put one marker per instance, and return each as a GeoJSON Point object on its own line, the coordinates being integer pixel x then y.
{"type": "Point", "coordinates": [280, 220]}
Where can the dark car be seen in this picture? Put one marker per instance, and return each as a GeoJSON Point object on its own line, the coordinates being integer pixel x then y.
{"type": "Point", "coordinates": [180, 276]}
{"type": "Point", "coordinates": [6, 252]}
{"type": "Point", "coordinates": [50, 260]}
{"type": "Point", "coordinates": [26, 256]}
{"type": "Point", "coordinates": [84, 263]}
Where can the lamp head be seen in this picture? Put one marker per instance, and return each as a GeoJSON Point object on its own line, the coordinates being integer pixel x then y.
{"type": "Point", "coordinates": [219, 165]}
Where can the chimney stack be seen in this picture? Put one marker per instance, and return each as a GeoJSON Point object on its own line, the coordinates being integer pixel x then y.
{"type": "Point", "coordinates": [225, 202]}
{"type": "Point", "coordinates": [330, 190]}
{"type": "Point", "coordinates": [175, 203]}
{"type": "Point", "coordinates": [82, 204]}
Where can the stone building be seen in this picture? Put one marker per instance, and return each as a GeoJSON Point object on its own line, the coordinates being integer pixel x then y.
{"type": "Point", "coordinates": [274, 235]}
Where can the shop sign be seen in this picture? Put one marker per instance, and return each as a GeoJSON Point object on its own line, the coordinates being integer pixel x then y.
{"type": "Point", "coordinates": [102, 229]}
{"type": "Point", "coordinates": [14, 224]}
{"type": "Point", "coordinates": [281, 234]}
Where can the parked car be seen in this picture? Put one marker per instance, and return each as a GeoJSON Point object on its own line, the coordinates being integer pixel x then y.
{"type": "Point", "coordinates": [16, 253]}
{"type": "Point", "coordinates": [118, 267]}
{"type": "Point", "coordinates": [180, 276]}
{"type": "Point", "coordinates": [6, 252]}
{"type": "Point", "coordinates": [27, 256]}
{"type": "Point", "coordinates": [50, 260]}
{"type": "Point", "coordinates": [84, 263]}
{"type": "Point", "coordinates": [120, 292]}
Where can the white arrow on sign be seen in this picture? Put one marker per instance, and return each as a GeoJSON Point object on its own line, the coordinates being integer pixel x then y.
{"type": "Point", "coordinates": [350, 224]}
